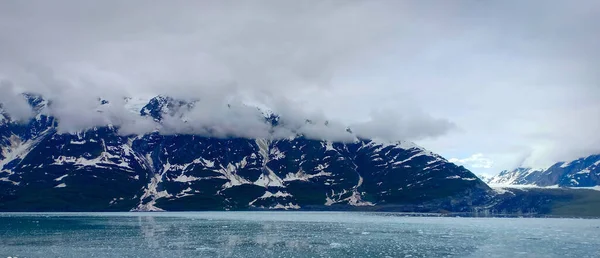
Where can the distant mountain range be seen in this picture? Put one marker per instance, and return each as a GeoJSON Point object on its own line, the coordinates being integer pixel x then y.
{"type": "Point", "coordinates": [583, 172]}
{"type": "Point", "coordinates": [101, 170]}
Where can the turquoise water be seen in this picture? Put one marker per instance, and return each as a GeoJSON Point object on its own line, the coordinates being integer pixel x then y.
{"type": "Point", "coordinates": [291, 234]}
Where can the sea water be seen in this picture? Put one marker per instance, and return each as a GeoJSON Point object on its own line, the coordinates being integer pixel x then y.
{"type": "Point", "coordinates": [291, 234]}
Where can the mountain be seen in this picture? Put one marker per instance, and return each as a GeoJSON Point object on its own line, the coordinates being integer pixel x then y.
{"type": "Point", "coordinates": [583, 172]}
{"type": "Point", "coordinates": [99, 169]}
{"type": "Point", "coordinates": [517, 176]}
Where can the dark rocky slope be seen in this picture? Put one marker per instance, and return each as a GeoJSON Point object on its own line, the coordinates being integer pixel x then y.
{"type": "Point", "coordinates": [102, 170]}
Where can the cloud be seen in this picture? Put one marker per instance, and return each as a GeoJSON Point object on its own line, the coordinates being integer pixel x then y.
{"type": "Point", "coordinates": [515, 80]}
{"type": "Point", "coordinates": [393, 125]}
{"type": "Point", "coordinates": [13, 104]}
{"type": "Point", "coordinates": [221, 53]}
{"type": "Point", "coordinates": [475, 161]}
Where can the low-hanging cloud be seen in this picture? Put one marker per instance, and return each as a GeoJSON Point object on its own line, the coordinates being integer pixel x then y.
{"type": "Point", "coordinates": [477, 160]}
{"type": "Point", "coordinates": [392, 125]}
{"type": "Point", "coordinates": [220, 53]}
{"type": "Point", "coordinates": [13, 104]}
{"type": "Point", "coordinates": [502, 78]}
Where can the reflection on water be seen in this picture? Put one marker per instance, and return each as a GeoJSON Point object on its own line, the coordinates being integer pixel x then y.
{"type": "Point", "coordinates": [177, 236]}
{"type": "Point", "coordinates": [292, 234]}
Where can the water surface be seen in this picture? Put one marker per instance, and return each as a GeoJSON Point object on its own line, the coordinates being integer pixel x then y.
{"type": "Point", "coordinates": [291, 234]}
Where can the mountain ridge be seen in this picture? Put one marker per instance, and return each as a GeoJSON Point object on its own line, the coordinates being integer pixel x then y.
{"type": "Point", "coordinates": [99, 169]}
{"type": "Point", "coordinates": [581, 172]}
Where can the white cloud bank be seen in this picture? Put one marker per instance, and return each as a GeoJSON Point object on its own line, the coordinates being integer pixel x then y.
{"type": "Point", "coordinates": [516, 80]}
{"type": "Point", "coordinates": [221, 53]}
{"type": "Point", "coordinates": [474, 161]}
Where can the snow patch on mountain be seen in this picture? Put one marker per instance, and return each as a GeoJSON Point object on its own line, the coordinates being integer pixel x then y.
{"type": "Point", "coordinates": [288, 206]}
{"type": "Point", "coordinates": [152, 192]}
{"type": "Point", "coordinates": [233, 178]}
{"type": "Point", "coordinates": [104, 160]}
{"type": "Point", "coordinates": [302, 176]}
{"type": "Point", "coordinates": [268, 177]}
{"type": "Point", "coordinates": [268, 194]}
{"type": "Point", "coordinates": [17, 150]}
{"type": "Point", "coordinates": [279, 197]}
{"type": "Point", "coordinates": [60, 178]}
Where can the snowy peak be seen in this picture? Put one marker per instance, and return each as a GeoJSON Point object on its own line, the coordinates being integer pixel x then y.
{"type": "Point", "coordinates": [517, 176]}
{"type": "Point", "coordinates": [160, 106]}
{"type": "Point", "coordinates": [583, 172]}
{"type": "Point", "coordinates": [36, 101]}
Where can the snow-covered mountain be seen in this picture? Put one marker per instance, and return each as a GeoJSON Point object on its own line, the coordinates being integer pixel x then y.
{"type": "Point", "coordinates": [100, 169]}
{"type": "Point", "coordinates": [583, 172]}
{"type": "Point", "coordinates": [517, 176]}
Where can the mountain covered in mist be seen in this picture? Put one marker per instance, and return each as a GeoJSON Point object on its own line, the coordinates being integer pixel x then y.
{"type": "Point", "coordinates": [582, 172]}
{"type": "Point", "coordinates": [98, 169]}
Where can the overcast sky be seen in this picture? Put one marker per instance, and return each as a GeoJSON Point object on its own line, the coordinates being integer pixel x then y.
{"type": "Point", "coordinates": [489, 84]}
